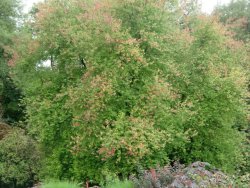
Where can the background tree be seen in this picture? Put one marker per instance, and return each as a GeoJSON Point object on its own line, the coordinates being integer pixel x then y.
{"type": "Point", "coordinates": [236, 15]}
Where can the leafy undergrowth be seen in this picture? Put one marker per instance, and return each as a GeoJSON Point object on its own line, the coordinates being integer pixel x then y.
{"type": "Point", "coordinates": [242, 181]}
{"type": "Point", "coordinates": [196, 175]}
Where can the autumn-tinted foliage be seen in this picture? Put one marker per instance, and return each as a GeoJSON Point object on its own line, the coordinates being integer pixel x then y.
{"type": "Point", "coordinates": [110, 85]}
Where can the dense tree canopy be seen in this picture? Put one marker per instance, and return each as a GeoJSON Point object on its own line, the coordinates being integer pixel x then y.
{"type": "Point", "coordinates": [110, 85]}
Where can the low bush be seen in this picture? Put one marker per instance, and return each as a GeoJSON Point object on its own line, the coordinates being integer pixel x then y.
{"type": "Point", "coordinates": [19, 159]}
{"type": "Point", "coordinates": [4, 128]}
{"type": "Point", "coordinates": [242, 181]}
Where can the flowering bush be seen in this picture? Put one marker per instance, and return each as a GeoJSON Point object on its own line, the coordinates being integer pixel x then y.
{"type": "Point", "coordinates": [196, 175]}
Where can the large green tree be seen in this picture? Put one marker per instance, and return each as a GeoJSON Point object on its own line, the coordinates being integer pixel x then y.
{"type": "Point", "coordinates": [9, 94]}
{"type": "Point", "coordinates": [110, 85]}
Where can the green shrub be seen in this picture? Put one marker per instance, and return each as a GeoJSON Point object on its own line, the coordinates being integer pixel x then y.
{"type": "Point", "coordinates": [19, 158]}
{"type": "Point", "coordinates": [242, 181]}
{"type": "Point", "coordinates": [4, 128]}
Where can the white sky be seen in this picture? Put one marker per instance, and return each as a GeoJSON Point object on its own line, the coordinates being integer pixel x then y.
{"type": "Point", "coordinates": [207, 5]}
{"type": "Point", "coordinates": [27, 4]}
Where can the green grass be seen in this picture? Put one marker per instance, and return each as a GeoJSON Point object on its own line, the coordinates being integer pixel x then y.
{"type": "Point", "coordinates": [120, 184]}
{"type": "Point", "coordinates": [56, 184]}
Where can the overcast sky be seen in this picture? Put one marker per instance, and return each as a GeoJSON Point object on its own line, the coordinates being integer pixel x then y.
{"type": "Point", "coordinates": [207, 5]}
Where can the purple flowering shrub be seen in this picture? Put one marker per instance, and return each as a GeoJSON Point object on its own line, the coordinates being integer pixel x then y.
{"type": "Point", "coordinates": [196, 175]}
